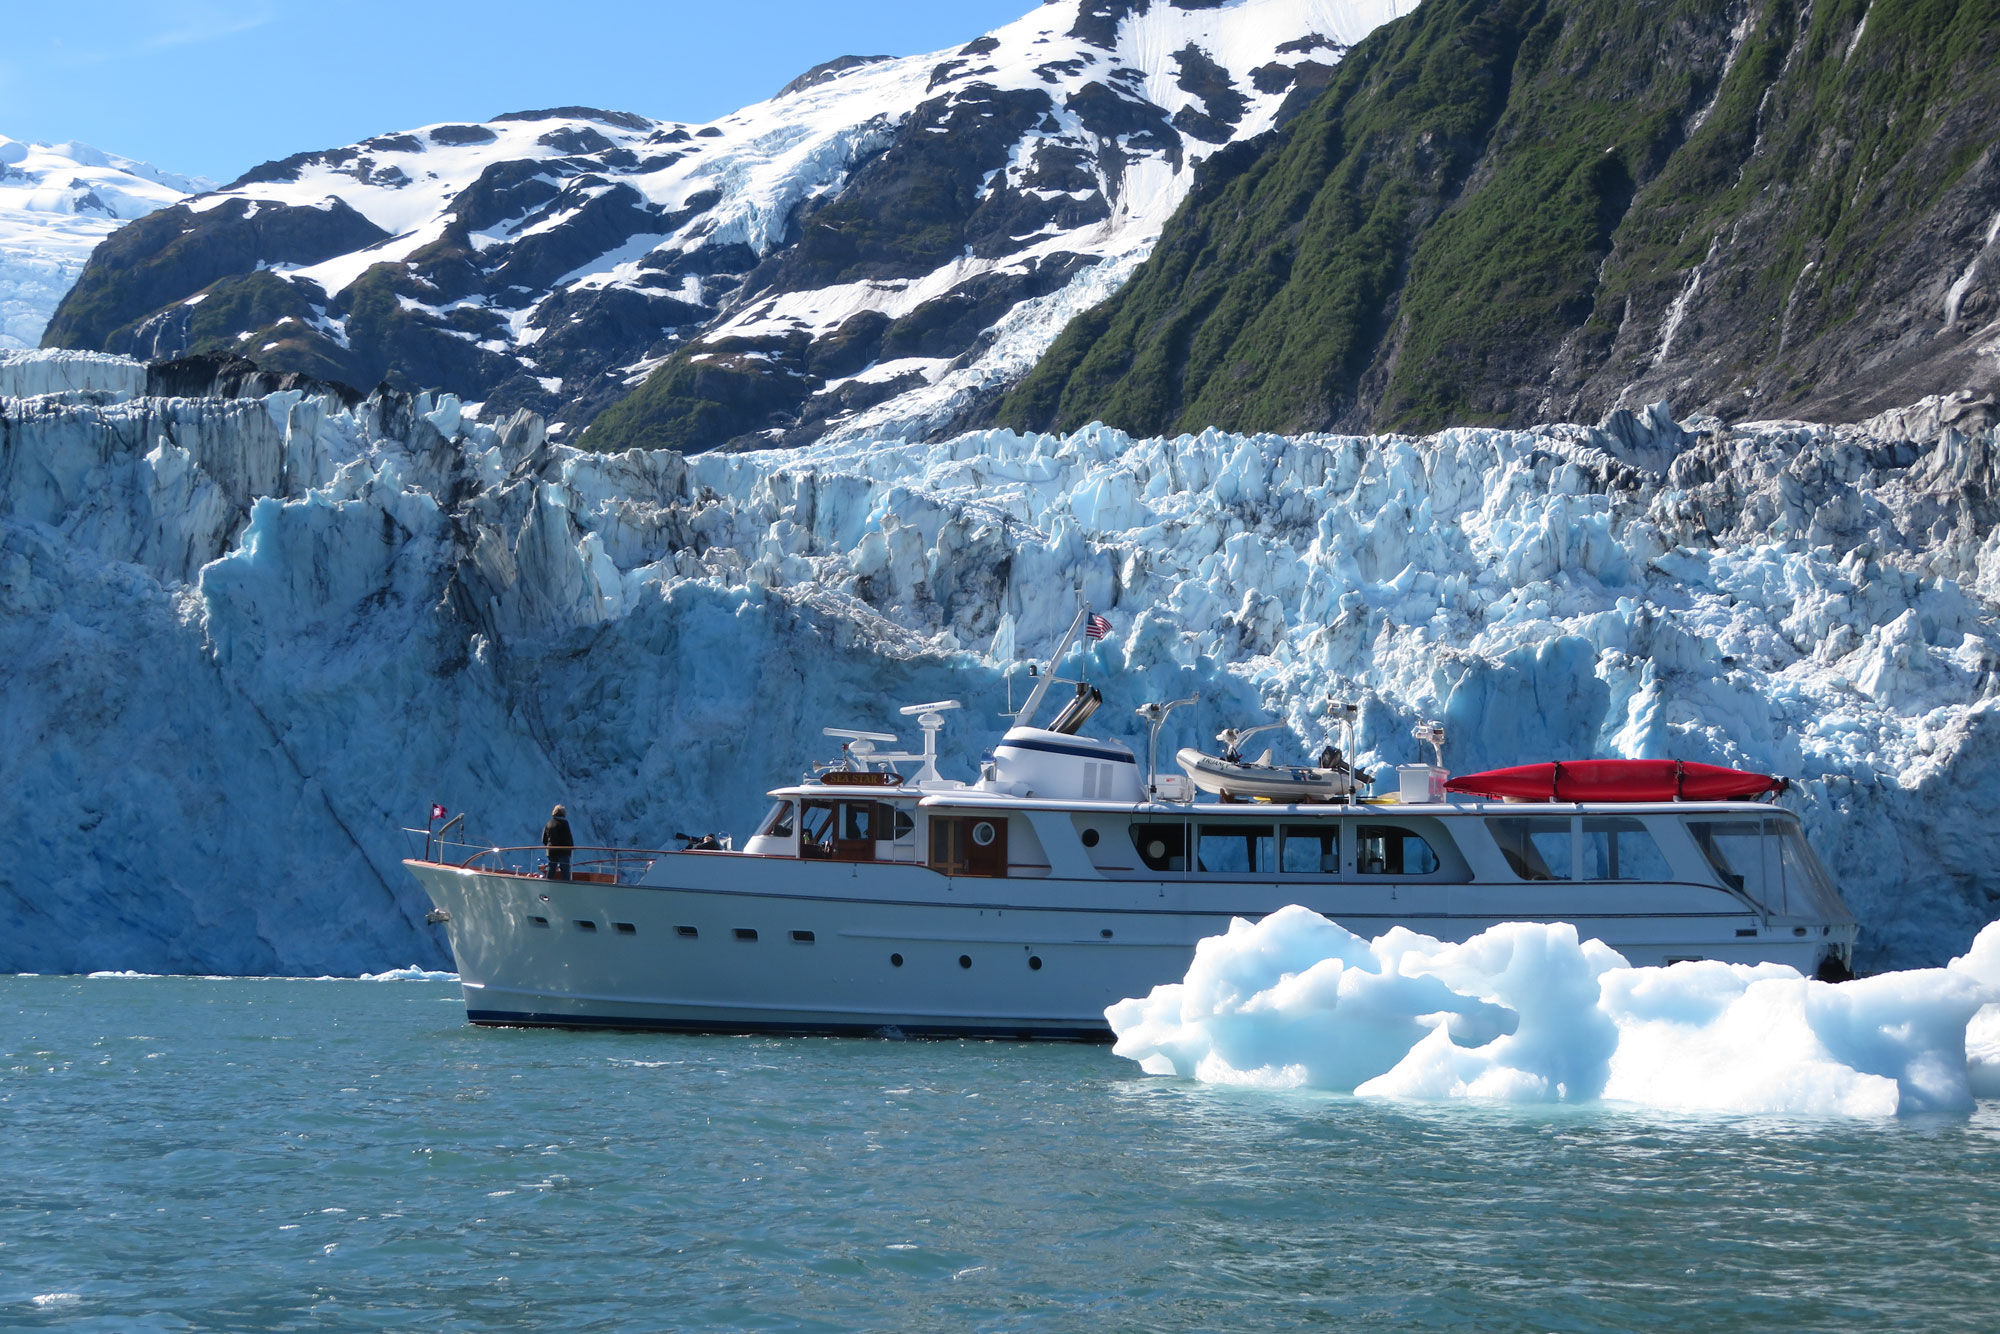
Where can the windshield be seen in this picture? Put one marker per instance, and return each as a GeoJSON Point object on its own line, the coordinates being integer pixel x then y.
{"type": "Point", "coordinates": [1768, 860]}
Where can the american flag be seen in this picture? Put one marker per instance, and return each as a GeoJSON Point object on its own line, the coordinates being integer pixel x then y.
{"type": "Point", "coordinates": [1096, 627]}
{"type": "Point", "coordinates": [437, 811]}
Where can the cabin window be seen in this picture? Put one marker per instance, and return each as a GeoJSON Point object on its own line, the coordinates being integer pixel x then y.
{"type": "Point", "coordinates": [1386, 849]}
{"type": "Point", "coordinates": [1537, 848]}
{"type": "Point", "coordinates": [1243, 849]}
{"type": "Point", "coordinates": [778, 824]}
{"type": "Point", "coordinates": [857, 821]}
{"type": "Point", "coordinates": [1735, 849]}
{"type": "Point", "coordinates": [816, 822]}
{"type": "Point", "coordinates": [1311, 849]}
{"type": "Point", "coordinates": [855, 827]}
{"type": "Point", "coordinates": [1621, 849]}
{"type": "Point", "coordinates": [1808, 887]}
{"type": "Point", "coordinates": [1163, 847]}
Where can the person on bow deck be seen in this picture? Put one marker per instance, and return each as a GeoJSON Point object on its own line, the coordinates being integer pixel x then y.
{"type": "Point", "coordinates": [557, 842]}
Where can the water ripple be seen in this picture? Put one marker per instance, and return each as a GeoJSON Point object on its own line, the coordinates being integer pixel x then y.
{"type": "Point", "coordinates": [346, 1155]}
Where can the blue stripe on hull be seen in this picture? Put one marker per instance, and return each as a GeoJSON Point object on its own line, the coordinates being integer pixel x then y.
{"type": "Point", "coordinates": [1003, 1032]}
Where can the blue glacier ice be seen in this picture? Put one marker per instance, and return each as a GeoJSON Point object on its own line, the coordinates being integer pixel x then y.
{"type": "Point", "coordinates": [250, 639]}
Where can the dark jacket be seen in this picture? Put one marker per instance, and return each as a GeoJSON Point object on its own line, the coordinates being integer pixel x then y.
{"type": "Point", "coordinates": [555, 834]}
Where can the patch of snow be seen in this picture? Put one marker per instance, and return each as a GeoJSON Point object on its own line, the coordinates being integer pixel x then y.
{"type": "Point", "coordinates": [57, 201]}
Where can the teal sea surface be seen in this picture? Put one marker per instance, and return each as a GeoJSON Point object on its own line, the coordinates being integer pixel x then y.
{"type": "Point", "coordinates": [184, 1153]}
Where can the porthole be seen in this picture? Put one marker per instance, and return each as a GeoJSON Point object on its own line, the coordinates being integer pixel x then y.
{"type": "Point", "coordinates": [1090, 838]}
{"type": "Point", "coordinates": [983, 834]}
{"type": "Point", "coordinates": [1106, 933]}
{"type": "Point", "coordinates": [583, 925]}
{"type": "Point", "coordinates": [542, 922]}
{"type": "Point", "coordinates": [1035, 963]}
{"type": "Point", "coordinates": [746, 933]}
{"type": "Point", "coordinates": [627, 929]}
{"type": "Point", "coordinates": [895, 961]}
{"type": "Point", "coordinates": [686, 932]}
{"type": "Point", "coordinates": [803, 937]}
{"type": "Point", "coordinates": [965, 961]}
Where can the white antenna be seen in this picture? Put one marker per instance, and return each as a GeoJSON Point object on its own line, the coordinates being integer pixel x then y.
{"type": "Point", "coordinates": [930, 717]}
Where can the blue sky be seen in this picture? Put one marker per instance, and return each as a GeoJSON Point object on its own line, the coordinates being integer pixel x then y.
{"type": "Point", "coordinates": [213, 87]}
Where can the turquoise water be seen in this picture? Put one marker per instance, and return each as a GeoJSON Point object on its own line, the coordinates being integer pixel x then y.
{"type": "Point", "coordinates": [266, 1155]}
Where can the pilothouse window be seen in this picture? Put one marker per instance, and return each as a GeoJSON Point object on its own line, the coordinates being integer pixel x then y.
{"type": "Point", "coordinates": [857, 820]}
{"type": "Point", "coordinates": [778, 824]}
{"type": "Point", "coordinates": [816, 828]}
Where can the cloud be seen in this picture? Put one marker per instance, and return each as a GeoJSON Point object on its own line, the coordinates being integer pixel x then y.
{"type": "Point", "coordinates": [190, 23]}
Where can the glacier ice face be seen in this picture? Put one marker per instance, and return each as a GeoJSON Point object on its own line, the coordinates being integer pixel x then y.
{"type": "Point", "coordinates": [257, 635]}
{"type": "Point", "coordinates": [1525, 1012]}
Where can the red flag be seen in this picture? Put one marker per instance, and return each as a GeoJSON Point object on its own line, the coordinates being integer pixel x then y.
{"type": "Point", "coordinates": [437, 812]}
{"type": "Point", "coordinates": [1096, 627]}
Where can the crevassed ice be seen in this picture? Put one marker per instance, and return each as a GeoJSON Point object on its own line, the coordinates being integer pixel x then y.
{"type": "Point", "coordinates": [259, 635]}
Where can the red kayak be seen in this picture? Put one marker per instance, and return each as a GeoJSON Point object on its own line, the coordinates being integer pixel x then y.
{"type": "Point", "coordinates": [1618, 780]}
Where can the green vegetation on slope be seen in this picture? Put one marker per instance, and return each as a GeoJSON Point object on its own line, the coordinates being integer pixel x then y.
{"type": "Point", "coordinates": [1491, 212]}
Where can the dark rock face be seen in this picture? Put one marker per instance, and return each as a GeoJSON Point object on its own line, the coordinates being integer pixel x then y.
{"type": "Point", "coordinates": [177, 253]}
{"type": "Point", "coordinates": [213, 375]}
{"type": "Point", "coordinates": [457, 135]}
{"type": "Point", "coordinates": [821, 73]}
{"type": "Point", "coordinates": [1519, 211]}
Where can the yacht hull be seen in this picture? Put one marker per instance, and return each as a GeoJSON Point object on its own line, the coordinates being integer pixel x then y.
{"type": "Point", "coordinates": [733, 943]}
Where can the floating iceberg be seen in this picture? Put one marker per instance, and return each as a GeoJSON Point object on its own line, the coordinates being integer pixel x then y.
{"type": "Point", "coordinates": [1526, 1012]}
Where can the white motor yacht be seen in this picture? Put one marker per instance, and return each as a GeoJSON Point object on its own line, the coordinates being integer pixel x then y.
{"type": "Point", "coordinates": [880, 897]}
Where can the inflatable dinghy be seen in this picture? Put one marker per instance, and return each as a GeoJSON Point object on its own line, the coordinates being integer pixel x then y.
{"type": "Point", "coordinates": [1274, 782]}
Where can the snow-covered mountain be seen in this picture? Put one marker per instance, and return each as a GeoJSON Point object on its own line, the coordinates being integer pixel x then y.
{"type": "Point", "coordinates": [57, 201]}
{"type": "Point", "coordinates": [249, 638]}
{"type": "Point", "coordinates": [879, 246]}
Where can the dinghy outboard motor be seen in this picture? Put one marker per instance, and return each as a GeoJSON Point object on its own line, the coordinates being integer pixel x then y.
{"type": "Point", "coordinates": [1077, 712]}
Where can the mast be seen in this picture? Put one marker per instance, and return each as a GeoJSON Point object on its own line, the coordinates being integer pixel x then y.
{"type": "Point", "coordinates": [1027, 713]}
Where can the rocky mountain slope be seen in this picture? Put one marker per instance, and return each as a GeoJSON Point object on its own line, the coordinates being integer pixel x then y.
{"type": "Point", "coordinates": [57, 201]}
{"type": "Point", "coordinates": [880, 246]}
{"type": "Point", "coordinates": [1533, 210]}
{"type": "Point", "coordinates": [250, 637]}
